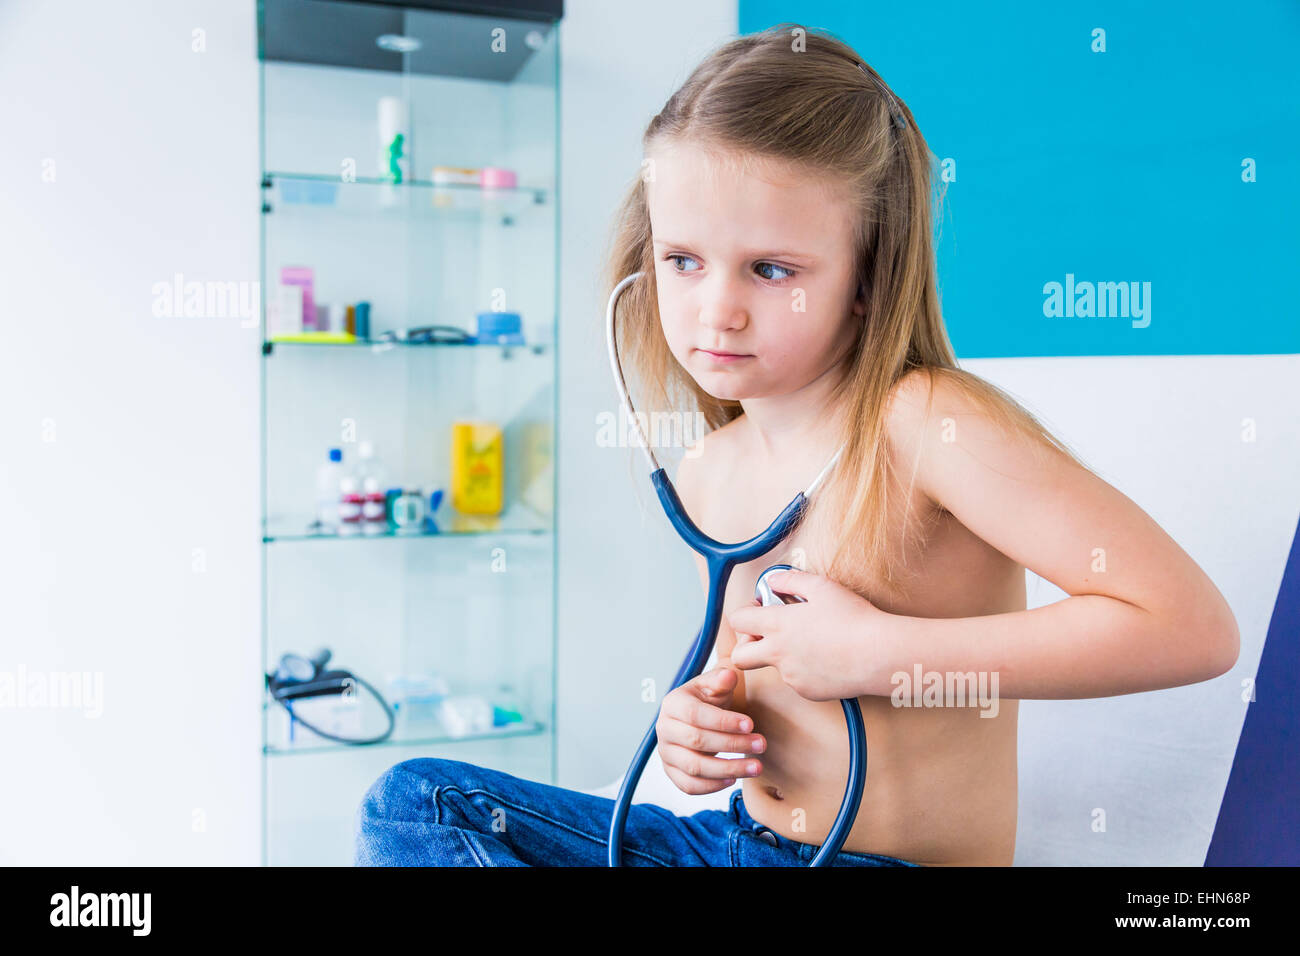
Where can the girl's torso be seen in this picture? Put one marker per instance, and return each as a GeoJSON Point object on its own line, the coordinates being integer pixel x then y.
{"type": "Point", "coordinates": [941, 781]}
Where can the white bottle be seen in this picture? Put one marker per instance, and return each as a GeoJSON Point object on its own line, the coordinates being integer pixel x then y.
{"type": "Point", "coordinates": [374, 507]}
{"type": "Point", "coordinates": [394, 147]}
{"type": "Point", "coordinates": [370, 477]}
{"type": "Point", "coordinates": [328, 478]}
{"type": "Point", "coordinates": [394, 143]}
{"type": "Point", "coordinates": [349, 505]}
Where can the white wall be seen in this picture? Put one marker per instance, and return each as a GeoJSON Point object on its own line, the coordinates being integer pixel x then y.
{"type": "Point", "coordinates": [629, 594]}
{"type": "Point", "coordinates": [129, 440]}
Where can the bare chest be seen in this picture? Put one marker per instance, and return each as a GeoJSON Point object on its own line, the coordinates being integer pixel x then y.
{"type": "Point", "coordinates": [949, 571]}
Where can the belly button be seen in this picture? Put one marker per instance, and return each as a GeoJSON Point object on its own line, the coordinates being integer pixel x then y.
{"type": "Point", "coordinates": [773, 792]}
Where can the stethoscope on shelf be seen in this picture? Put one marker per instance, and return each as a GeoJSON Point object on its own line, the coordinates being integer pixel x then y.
{"type": "Point", "coordinates": [720, 560]}
{"type": "Point", "coordinates": [427, 335]}
{"type": "Point", "coordinates": [297, 677]}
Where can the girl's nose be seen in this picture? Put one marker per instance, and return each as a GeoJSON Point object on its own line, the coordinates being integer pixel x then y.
{"type": "Point", "coordinates": [723, 307]}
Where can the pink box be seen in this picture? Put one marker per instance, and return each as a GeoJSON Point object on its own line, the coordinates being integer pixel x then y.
{"type": "Point", "coordinates": [496, 176]}
{"type": "Point", "coordinates": [302, 276]}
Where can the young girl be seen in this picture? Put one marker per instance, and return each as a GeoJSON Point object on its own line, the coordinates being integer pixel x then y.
{"type": "Point", "coordinates": [783, 224]}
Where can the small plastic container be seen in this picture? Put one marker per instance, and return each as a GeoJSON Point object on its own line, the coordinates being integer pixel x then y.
{"type": "Point", "coordinates": [455, 175]}
{"type": "Point", "coordinates": [408, 513]}
{"type": "Point", "coordinates": [451, 176]}
{"type": "Point", "coordinates": [416, 698]}
{"type": "Point", "coordinates": [374, 507]}
{"type": "Point", "coordinates": [499, 328]}
{"type": "Point", "coordinates": [477, 468]}
{"type": "Point", "coordinates": [350, 501]}
{"type": "Point", "coordinates": [495, 176]}
{"type": "Point", "coordinates": [507, 707]}
{"type": "Point", "coordinates": [390, 505]}
{"type": "Point", "coordinates": [465, 714]}
{"type": "Point", "coordinates": [371, 476]}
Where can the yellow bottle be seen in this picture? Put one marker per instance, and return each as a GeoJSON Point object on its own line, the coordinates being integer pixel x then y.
{"type": "Point", "coordinates": [477, 468]}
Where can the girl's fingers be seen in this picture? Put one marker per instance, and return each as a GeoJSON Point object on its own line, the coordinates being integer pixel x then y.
{"type": "Point", "coordinates": [699, 713]}
{"type": "Point", "coordinates": [694, 786]}
{"type": "Point", "coordinates": [708, 741]}
{"type": "Point", "coordinates": [695, 764]}
{"type": "Point", "coordinates": [741, 636]}
{"type": "Point", "coordinates": [720, 681]}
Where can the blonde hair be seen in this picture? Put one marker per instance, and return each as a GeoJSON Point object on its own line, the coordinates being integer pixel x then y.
{"type": "Point", "coordinates": [806, 98]}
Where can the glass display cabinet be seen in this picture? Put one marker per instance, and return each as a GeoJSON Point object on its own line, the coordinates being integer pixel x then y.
{"type": "Point", "coordinates": [409, 293]}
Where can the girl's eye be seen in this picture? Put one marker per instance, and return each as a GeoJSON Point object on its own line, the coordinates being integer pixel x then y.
{"type": "Point", "coordinates": [777, 278]}
{"type": "Point", "coordinates": [781, 272]}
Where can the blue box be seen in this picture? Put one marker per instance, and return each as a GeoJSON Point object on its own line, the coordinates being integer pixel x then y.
{"type": "Point", "coordinates": [499, 328]}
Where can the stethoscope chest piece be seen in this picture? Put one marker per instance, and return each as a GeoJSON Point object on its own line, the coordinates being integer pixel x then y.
{"type": "Point", "coordinates": [763, 588]}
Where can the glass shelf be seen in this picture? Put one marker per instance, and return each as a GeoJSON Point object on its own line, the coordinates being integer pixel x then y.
{"type": "Point", "coordinates": [422, 733]}
{"type": "Point", "coordinates": [306, 194]}
{"type": "Point", "coordinates": [456, 527]}
{"type": "Point", "coordinates": [505, 350]}
{"type": "Point", "coordinates": [269, 178]}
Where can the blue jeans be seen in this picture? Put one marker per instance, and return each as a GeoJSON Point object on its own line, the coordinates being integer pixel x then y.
{"type": "Point", "coordinates": [435, 812]}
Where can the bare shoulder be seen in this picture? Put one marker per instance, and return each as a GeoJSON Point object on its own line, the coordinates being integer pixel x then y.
{"type": "Point", "coordinates": [916, 401]}
{"type": "Point", "coordinates": [918, 394]}
{"type": "Point", "coordinates": [937, 409]}
{"type": "Point", "coordinates": [931, 412]}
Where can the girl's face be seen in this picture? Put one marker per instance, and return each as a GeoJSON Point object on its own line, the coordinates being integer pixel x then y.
{"type": "Point", "coordinates": [754, 271]}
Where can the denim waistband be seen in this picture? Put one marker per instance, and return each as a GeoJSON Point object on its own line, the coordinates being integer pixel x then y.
{"type": "Point", "coordinates": [805, 851]}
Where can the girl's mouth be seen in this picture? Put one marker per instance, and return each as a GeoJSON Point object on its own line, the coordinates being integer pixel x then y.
{"type": "Point", "coordinates": [722, 357]}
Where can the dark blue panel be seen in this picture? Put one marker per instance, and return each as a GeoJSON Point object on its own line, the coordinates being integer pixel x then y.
{"type": "Point", "coordinates": [1259, 821]}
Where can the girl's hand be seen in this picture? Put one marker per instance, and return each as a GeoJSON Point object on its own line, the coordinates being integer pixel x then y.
{"type": "Point", "coordinates": [696, 723]}
{"type": "Point", "coordinates": [828, 648]}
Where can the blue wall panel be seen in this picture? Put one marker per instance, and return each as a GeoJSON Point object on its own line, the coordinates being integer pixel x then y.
{"type": "Point", "coordinates": [1115, 166]}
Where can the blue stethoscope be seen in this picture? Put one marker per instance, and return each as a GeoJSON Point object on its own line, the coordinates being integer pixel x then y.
{"type": "Point", "coordinates": [721, 559]}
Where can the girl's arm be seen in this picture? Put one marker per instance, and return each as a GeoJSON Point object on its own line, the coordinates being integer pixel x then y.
{"type": "Point", "coordinates": [1141, 615]}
